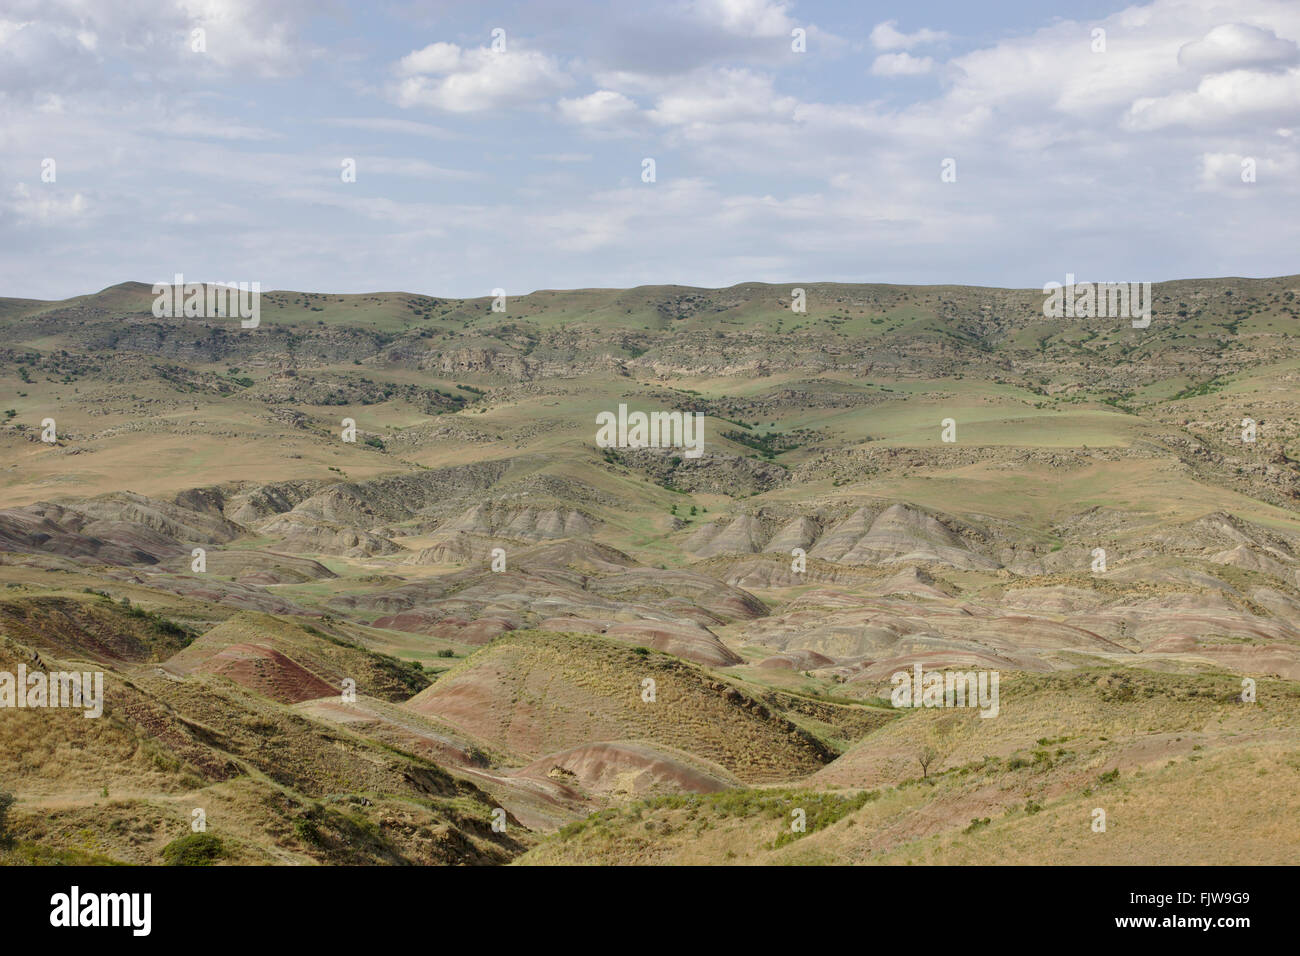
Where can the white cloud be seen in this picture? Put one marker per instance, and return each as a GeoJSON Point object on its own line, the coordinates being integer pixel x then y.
{"type": "Point", "coordinates": [746, 18]}
{"type": "Point", "coordinates": [1222, 172]}
{"type": "Point", "coordinates": [65, 44]}
{"type": "Point", "coordinates": [251, 35]}
{"type": "Point", "coordinates": [442, 76]}
{"type": "Point", "coordinates": [721, 96]}
{"type": "Point", "coordinates": [771, 164]}
{"type": "Point", "coordinates": [887, 36]}
{"type": "Point", "coordinates": [46, 205]}
{"type": "Point", "coordinates": [1232, 46]}
{"type": "Point", "coordinates": [901, 64]}
{"type": "Point", "coordinates": [1221, 99]}
{"type": "Point", "coordinates": [434, 58]}
{"type": "Point", "coordinates": [603, 107]}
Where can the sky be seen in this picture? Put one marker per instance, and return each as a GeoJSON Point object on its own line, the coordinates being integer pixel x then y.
{"type": "Point", "coordinates": [505, 145]}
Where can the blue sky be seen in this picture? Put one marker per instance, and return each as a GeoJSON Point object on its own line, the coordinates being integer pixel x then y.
{"type": "Point", "coordinates": [522, 169]}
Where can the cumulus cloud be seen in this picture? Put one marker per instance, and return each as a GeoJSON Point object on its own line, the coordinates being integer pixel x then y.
{"type": "Point", "coordinates": [1221, 99]}
{"type": "Point", "coordinates": [603, 107]}
{"type": "Point", "coordinates": [770, 162]}
{"type": "Point", "coordinates": [442, 76]}
{"type": "Point", "coordinates": [901, 64]}
{"type": "Point", "coordinates": [887, 36]}
{"type": "Point", "coordinates": [434, 58]}
{"type": "Point", "coordinates": [258, 36]}
{"type": "Point", "coordinates": [722, 96]}
{"type": "Point", "coordinates": [1231, 46]}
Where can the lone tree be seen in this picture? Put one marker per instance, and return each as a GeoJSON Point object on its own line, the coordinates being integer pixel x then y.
{"type": "Point", "coordinates": [925, 758]}
{"type": "Point", "coordinates": [940, 741]}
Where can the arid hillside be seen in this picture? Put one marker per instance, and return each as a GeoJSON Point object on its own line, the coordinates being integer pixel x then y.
{"type": "Point", "coordinates": [366, 585]}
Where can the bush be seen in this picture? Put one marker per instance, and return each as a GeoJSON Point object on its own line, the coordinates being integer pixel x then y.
{"type": "Point", "coordinates": [193, 849]}
{"type": "Point", "coordinates": [6, 801]}
{"type": "Point", "coordinates": [306, 831]}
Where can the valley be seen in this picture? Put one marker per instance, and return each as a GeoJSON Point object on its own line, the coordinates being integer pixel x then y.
{"type": "Point", "coordinates": [376, 651]}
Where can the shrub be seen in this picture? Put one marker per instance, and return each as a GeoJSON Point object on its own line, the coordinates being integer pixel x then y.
{"type": "Point", "coordinates": [6, 801]}
{"type": "Point", "coordinates": [307, 832]}
{"type": "Point", "coordinates": [193, 849]}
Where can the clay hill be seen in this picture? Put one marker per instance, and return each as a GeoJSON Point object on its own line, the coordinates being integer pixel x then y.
{"type": "Point", "coordinates": [469, 633]}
